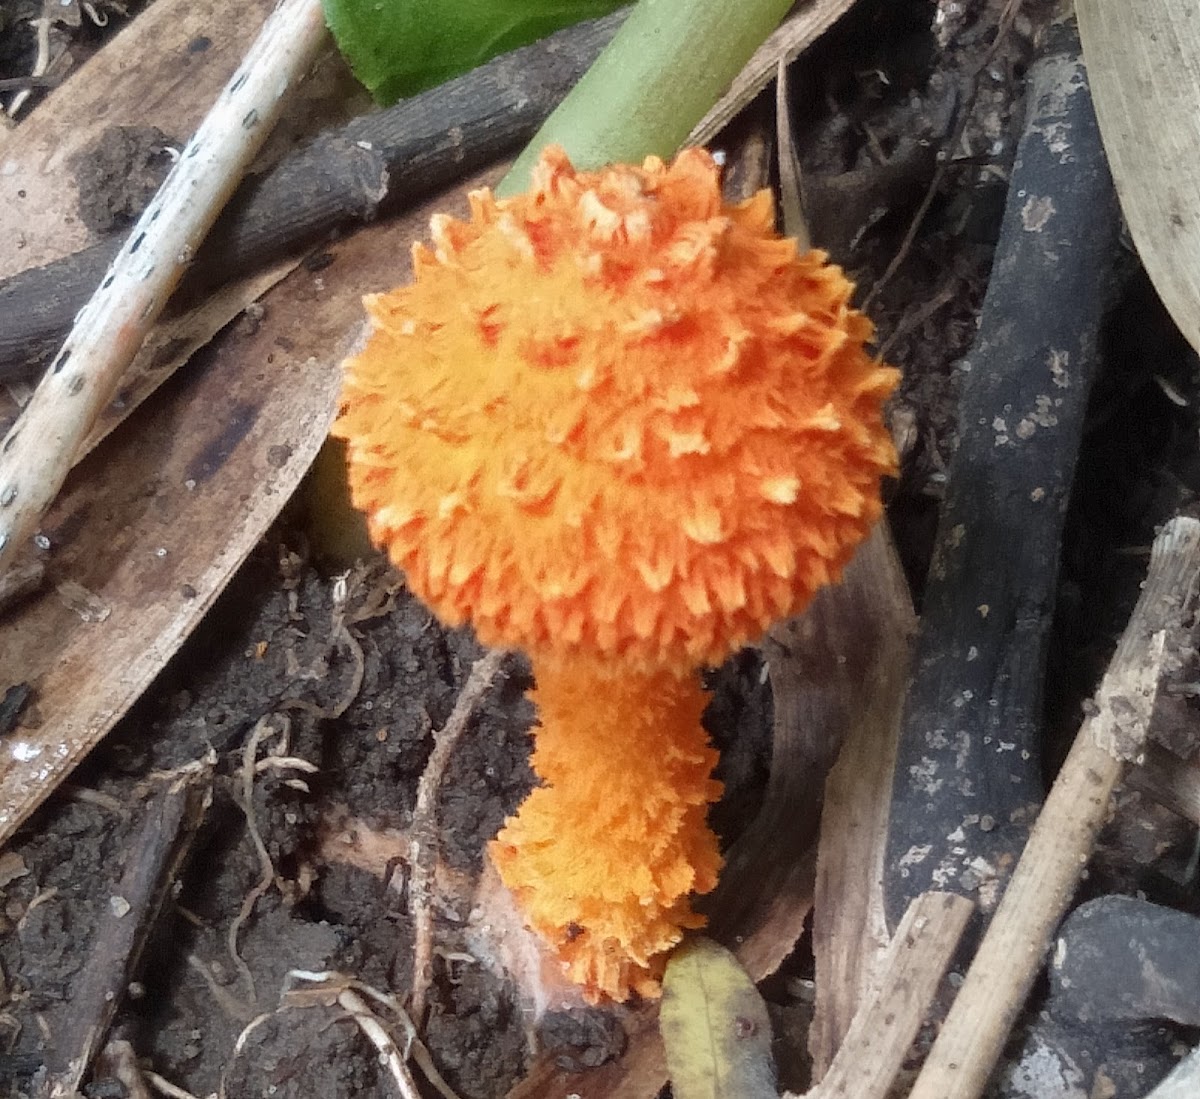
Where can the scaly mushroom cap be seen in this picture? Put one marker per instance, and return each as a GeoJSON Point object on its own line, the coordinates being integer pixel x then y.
{"type": "Point", "coordinates": [616, 416]}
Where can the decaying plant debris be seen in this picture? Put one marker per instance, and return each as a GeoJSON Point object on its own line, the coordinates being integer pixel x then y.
{"type": "Point", "coordinates": [224, 897]}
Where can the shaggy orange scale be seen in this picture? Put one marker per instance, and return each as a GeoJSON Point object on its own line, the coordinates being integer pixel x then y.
{"type": "Point", "coordinates": [625, 426]}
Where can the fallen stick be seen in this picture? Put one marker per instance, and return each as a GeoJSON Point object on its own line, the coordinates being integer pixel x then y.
{"type": "Point", "coordinates": [38, 451]}
{"type": "Point", "coordinates": [882, 1032]}
{"type": "Point", "coordinates": [1077, 807]}
{"type": "Point", "coordinates": [154, 864]}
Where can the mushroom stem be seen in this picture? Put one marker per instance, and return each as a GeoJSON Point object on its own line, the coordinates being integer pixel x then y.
{"type": "Point", "coordinates": [604, 856]}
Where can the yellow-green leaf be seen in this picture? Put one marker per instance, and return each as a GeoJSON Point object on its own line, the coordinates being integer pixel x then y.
{"type": "Point", "coordinates": [715, 1027]}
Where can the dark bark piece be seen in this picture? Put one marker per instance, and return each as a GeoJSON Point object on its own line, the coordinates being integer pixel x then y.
{"type": "Point", "coordinates": [153, 863]}
{"type": "Point", "coordinates": [375, 165]}
{"type": "Point", "coordinates": [968, 779]}
{"type": "Point", "coordinates": [1058, 1058]}
{"type": "Point", "coordinates": [1120, 968]}
{"type": "Point", "coordinates": [1120, 958]}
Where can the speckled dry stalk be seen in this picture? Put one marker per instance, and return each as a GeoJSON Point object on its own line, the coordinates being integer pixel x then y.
{"type": "Point", "coordinates": [40, 448]}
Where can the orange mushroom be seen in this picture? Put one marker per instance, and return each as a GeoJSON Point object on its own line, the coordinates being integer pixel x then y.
{"type": "Point", "coordinates": [624, 426]}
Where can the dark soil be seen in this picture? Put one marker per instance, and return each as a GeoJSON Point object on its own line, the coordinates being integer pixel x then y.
{"type": "Point", "coordinates": [119, 175]}
{"type": "Point", "coordinates": [74, 33]}
{"type": "Point", "coordinates": [874, 102]}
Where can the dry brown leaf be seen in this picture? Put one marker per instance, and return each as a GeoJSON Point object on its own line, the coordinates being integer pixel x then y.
{"type": "Point", "coordinates": [172, 342]}
{"type": "Point", "coordinates": [850, 936]}
{"type": "Point", "coordinates": [1143, 64]}
{"type": "Point", "coordinates": [156, 520]}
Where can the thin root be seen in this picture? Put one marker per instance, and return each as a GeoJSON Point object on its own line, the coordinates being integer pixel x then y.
{"type": "Point", "coordinates": [238, 1011]}
{"type": "Point", "coordinates": [341, 635]}
{"type": "Point", "coordinates": [251, 767]}
{"type": "Point", "coordinates": [165, 1087]}
{"type": "Point", "coordinates": [349, 994]}
{"type": "Point", "coordinates": [423, 843]}
{"type": "Point", "coordinates": [40, 64]}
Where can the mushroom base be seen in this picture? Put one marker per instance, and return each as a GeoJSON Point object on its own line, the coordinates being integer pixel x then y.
{"type": "Point", "coordinates": [604, 856]}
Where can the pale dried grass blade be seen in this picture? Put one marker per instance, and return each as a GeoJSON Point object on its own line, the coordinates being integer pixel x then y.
{"type": "Point", "coordinates": [1143, 63]}
{"type": "Point", "coordinates": [791, 202]}
{"type": "Point", "coordinates": [884, 1029]}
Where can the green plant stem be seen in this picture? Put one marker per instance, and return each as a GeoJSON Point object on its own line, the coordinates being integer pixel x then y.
{"type": "Point", "coordinates": [666, 67]}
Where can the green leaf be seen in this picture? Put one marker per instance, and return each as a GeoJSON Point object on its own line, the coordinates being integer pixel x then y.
{"type": "Point", "coordinates": [398, 47]}
{"type": "Point", "coordinates": [715, 1027]}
